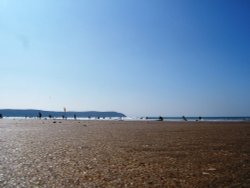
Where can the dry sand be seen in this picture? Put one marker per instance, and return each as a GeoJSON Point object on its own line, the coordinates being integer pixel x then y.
{"type": "Point", "coordinates": [43, 153]}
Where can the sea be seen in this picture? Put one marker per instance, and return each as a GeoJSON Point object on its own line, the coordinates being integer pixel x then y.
{"type": "Point", "coordinates": [244, 118]}
{"type": "Point", "coordinates": [176, 118]}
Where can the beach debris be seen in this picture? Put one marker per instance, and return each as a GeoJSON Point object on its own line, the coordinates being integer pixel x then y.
{"type": "Point", "coordinates": [211, 169]}
{"type": "Point", "coordinates": [54, 121]}
{"type": "Point", "coordinates": [205, 173]}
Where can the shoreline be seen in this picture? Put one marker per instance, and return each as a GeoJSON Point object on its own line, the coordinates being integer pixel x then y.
{"type": "Point", "coordinates": [169, 119]}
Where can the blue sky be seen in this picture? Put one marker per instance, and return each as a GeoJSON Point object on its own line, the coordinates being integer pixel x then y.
{"type": "Point", "coordinates": [139, 57]}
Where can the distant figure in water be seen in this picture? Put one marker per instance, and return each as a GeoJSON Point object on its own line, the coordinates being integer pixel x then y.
{"type": "Point", "coordinates": [184, 118]}
{"type": "Point", "coordinates": [160, 118]}
{"type": "Point", "coordinates": [74, 117]}
{"type": "Point", "coordinates": [1, 116]}
{"type": "Point", "coordinates": [39, 115]}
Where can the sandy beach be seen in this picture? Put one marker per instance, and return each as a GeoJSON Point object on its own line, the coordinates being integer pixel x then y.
{"type": "Point", "coordinates": [57, 153]}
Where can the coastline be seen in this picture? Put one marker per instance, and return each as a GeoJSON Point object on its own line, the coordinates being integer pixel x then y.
{"type": "Point", "coordinates": [167, 119]}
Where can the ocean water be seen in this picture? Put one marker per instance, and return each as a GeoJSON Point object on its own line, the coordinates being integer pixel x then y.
{"type": "Point", "coordinates": [202, 118]}
{"type": "Point", "coordinates": [218, 119]}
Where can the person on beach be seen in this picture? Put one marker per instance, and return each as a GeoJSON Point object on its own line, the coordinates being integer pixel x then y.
{"type": "Point", "coordinates": [160, 118]}
{"type": "Point", "coordinates": [184, 118]}
{"type": "Point", "coordinates": [39, 115]}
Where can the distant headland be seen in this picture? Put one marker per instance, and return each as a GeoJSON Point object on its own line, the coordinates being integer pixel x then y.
{"type": "Point", "coordinates": [55, 114]}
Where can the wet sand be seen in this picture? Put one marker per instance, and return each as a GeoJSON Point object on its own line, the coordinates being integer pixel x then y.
{"type": "Point", "coordinates": [48, 153]}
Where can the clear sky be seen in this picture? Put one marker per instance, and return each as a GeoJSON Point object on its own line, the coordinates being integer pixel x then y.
{"type": "Point", "coordinates": [139, 57]}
